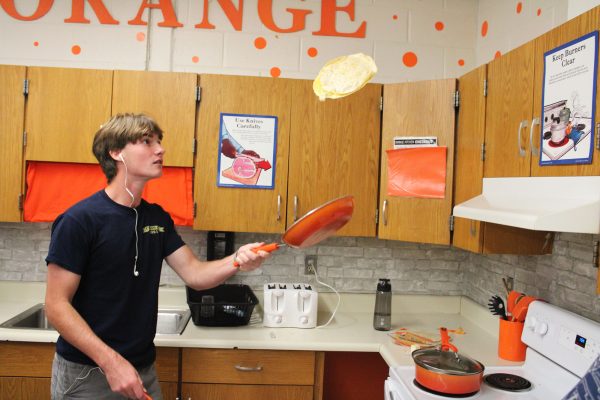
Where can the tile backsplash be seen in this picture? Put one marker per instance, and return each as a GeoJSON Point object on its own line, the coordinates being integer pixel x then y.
{"type": "Point", "coordinates": [566, 278]}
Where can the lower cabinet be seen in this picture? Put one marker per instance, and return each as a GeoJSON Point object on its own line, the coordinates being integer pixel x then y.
{"type": "Point", "coordinates": [224, 374]}
{"type": "Point", "coordinates": [26, 369]}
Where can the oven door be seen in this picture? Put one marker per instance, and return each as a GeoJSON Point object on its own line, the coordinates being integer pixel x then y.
{"type": "Point", "coordinates": [393, 390]}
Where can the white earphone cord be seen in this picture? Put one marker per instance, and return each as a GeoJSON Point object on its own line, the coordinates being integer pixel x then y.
{"type": "Point", "coordinates": [135, 271]}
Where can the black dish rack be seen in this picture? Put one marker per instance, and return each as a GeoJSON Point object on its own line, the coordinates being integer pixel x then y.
{"type": "Point", "coordinates": [224, 305]}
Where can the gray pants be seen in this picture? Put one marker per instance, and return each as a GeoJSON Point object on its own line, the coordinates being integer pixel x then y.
{"type": "Point", "coordinates": [78, 381]}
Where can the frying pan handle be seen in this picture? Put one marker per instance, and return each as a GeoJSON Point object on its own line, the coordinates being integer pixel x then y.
{"type": "Point", "coordinates": [265, 247]}
{"type": "Point", "coordinates": [446, 345]}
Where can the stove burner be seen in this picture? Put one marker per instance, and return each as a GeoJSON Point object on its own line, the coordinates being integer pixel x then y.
{"type": "Point", "coordinates": [564, 141]}
{"type": "Point", "coordinates": [449, 395]}
{"type": "Point", "coordinates": [508, 382]}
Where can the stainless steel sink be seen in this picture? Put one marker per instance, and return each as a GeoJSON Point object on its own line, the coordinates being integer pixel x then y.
{"type": "Point", "coordinates": [170, 321]}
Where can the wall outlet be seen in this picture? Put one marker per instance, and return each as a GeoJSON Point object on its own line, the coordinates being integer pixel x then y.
{"type": "Point", "coordinates": [310, 265]}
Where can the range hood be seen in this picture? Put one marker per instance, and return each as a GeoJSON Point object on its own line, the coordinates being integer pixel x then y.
{"type": "Point", "coordinates": [558, 204]}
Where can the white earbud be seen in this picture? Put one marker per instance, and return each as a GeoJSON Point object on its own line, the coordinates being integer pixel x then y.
{"type": "Point", "coordinates": [135, 271]}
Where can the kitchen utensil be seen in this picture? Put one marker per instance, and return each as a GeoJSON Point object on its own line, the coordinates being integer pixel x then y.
{"type": "Point", "coordinates": [520, 310]}
{"type": "Point", "coordinates": [447, 372]}
{"type": "Point", "coordinates": [496, 306]}
{"type": "Point", "coordinates": [513, 298]}
{"type": "Point", "coordinates": [315, 226]}
{"type": "Point", "coordinates": [507, 286]}
{"type": "Point", "coordinates": [290, 305]}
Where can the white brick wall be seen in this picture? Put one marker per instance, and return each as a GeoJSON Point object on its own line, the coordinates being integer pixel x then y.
{"type": "Point", "coordinates": [566, 278]}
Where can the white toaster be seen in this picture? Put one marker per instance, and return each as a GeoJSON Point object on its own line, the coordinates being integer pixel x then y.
{"type": "Point", "coordinates": [290, 305]}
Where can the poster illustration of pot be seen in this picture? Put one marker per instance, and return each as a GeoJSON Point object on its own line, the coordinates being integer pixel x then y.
{"type": "Point", "coordinates": [247, 149]}
{"type": "Point", "coordinates": [569, 102]}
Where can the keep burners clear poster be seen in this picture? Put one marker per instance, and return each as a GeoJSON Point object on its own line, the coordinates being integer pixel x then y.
{"type": "Point", "coordinates": [569, 102]}
{"type": "Point", "coordinates": [247, 150]}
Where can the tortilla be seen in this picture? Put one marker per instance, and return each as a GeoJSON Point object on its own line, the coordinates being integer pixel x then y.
{"type": "Point", "coordinates": [343, 76]}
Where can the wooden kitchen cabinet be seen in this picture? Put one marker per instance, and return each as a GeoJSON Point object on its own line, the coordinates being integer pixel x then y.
{"type": "Point", "coordinates": [334, 152]}
{"type": "Point", "coordinates": [240, 209]}
{"type": "Point", "coordinates": [234, 374]}
{"type": "Point", "coordinates": [479, 236]}
{"type": "Point", "coordinates": [169, 98]}
{"type": "Point", "coordinates": [423, 108]}
{"type": "Point", "coordinates": [514, 106]}
{"type": "Point", "coordinates": [331, 149]}
{"type": "Point", "coordinates": [12, 109]}
{"type": "Point", "coordinates": [65, 107]}
{"type": "Point", "coordinates": [26, 369]}
{"type": "Point", "coordinates": [570, 30]}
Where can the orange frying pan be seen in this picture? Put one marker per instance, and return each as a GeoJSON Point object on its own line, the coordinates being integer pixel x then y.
{"type": "Point", "coordinates": [315, 226]}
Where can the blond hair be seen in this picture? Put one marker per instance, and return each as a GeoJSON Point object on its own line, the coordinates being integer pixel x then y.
{"type": "Point", "coordinates": [116, 133]}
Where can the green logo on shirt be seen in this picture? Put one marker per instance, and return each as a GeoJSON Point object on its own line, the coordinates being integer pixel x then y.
{"type": "Point", "coordinates": [154, 229]}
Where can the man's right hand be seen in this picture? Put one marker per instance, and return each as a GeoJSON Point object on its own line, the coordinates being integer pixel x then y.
{"type": "Point", "coordinates": [228, 149]}
{"type": "Point", "coordinates": [124, 379]}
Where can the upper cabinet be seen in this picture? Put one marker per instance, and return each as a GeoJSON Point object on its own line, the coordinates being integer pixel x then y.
{"type": "Point", "coordinates": [565, 33]}
{"type": "Point", "coordinates": [240, 209]}
{"type": "Point", "coordinates": [330, 149]}
{"type": "Point", "coordinates": [514, 106]}
{"type": "Point", "coordinates": [334, 152]}
{"type": "Point", "coordinates": [423, 108]}
{"type": "Point", "coordinates": [477, 236]}
{"type": "Point", "coordinates": [12, 108]}
{"type": "Point", "coordinates": [169, 98]}
{"type": "Point", "coordinates": [65, 108]}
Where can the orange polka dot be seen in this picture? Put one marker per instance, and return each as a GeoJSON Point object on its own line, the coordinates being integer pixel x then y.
{"type": "Point", "coordinates": [140, 36]}
{"type": "Point", "coordinates": [195, 59]}
{"type": "Point", "coordinates": [409, 59]}
{"type": "Point", "coordinates": [519, 7]}
{"type": "Point", "coordinates": [76, 49]}
{"type": "Point", "coordinates": [497, 54]}
{"type": "Point", "coordinates": [36, 43]}
{"type": "Point", "coordinates": [312, 52]}
{"type": "Point", "coordinates": [439, 26]}
{"type": "Point", "coordinates": [484, 28]}
{"type": "Point", "coordinates": [260, 43]}
{"type": "Point", "coordinates": [394, 17]}
{"type": "Point", "coordinates": [461, 62]}
{"type": "Point", "coordinates": [539, 12]}
{"type": "Point", "coordinates": [275, 72]}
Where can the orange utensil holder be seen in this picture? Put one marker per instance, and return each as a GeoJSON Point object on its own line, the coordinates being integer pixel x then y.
{"type": "Point", "coordinates": [510, 346]}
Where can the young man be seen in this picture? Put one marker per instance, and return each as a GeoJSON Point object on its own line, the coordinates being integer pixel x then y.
{"type": "Point", "coordinates": [104, 265]}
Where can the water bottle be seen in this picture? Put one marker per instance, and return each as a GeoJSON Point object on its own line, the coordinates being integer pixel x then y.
{"type": "Point", "coordinates": [382, 317]}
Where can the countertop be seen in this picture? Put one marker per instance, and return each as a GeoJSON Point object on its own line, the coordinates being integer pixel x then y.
{"type": "Point", "coordinates": [350, 330]}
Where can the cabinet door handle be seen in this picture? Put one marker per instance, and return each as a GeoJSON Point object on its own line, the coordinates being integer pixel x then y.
{"type": "Point", "coordinates": [384, 212]}
{"type": "Point", "coordinates": [295, 208]}
{"type": "Point", "coordinates": [522, 125]}
{"type": "Point", "coordinates": [241, 368]}
{"type": "Point", "coordinates": [278, 207]}
{"type": "Point", "coordinates": [535, 151]}
{"type": "Point", "coordinates": [473, 229]}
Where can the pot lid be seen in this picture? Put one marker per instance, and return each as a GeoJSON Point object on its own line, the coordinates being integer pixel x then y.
{"type": "Point", "coordinates": [447, 362]}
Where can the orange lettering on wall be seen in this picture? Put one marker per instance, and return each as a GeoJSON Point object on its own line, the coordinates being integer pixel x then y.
{"type": "Point", "coordinates": [265, 12]}
{"type": "Point", "coordinates": [166, 6]}
{"type": "Point", "coordinates": [78, 8]}
{"type": "Point", "coordinates": [329, 9]}
{"type": "Point", "coordinates": [42, 9]}
{"type": "Point", "coordinates": [234, 15]}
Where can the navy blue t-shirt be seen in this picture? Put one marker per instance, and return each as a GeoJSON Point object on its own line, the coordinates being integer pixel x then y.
{"type": "Point", "coordinates": [96, 239]}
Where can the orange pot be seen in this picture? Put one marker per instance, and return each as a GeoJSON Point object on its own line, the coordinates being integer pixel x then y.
{"type": "Point", "coordinates": [446, 371]}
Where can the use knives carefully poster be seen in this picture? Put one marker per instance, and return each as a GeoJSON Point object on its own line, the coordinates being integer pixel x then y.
{"type": "Point", "coordinates": [247, 150]}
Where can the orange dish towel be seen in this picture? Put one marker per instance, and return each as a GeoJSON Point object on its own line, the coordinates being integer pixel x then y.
{"type": "Point", "coordinates": [417, 172]}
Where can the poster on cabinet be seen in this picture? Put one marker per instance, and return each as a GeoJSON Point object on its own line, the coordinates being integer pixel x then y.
{"type": "Point", "coordinates": [569, 102]}
{"type": "Point", "coordinates": [247, 149]}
